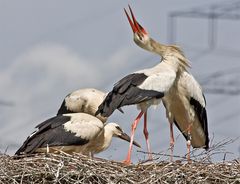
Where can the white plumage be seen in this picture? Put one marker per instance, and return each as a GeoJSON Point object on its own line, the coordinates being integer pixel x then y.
{"type": "Point", "coordinates": [159, 78]}
{"type": "Point", "coordinates": [84, 100]}
{"type": "Point", "coordinates": [186, 115]}
{"type": "Point", "coordinates": [83, 125]}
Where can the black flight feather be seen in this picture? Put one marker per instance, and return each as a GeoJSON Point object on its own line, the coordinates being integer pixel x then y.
{"type": "Point", "coordinates": [50, 133]}
{"type": "Point", "coordinates": [202, 116]}
{"type": "Point", "coordinates": [127, 92]}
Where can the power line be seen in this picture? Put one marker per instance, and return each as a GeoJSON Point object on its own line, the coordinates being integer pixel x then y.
{"type": "Point", "coordinates": [221, 81]}
{"type": "Point", "coordinates": [228, 11]}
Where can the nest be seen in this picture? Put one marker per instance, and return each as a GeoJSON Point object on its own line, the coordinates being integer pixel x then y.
{"type": "Point", "coordinates": [62, 168]}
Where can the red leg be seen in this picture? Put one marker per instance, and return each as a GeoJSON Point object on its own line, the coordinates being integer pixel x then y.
{"type": "Point", "coordinates": [171, 140]}
{"type": "Point", "coordinates": [127, 161]}
{"type": "Point", "coordinates": [189, 141]}
{"type": "Point", "coordinates": [145, 132]}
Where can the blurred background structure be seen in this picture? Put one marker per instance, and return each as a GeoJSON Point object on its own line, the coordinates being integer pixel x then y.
{"type": "Point", "coordinates": [50, 48]}
{"type": "Point", "coordinates": [214, 14]}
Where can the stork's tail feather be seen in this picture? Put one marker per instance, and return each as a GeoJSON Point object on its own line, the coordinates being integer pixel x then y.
{"type": "Point", "coordinates": [22, 149]}
{"type": "Point", "coordinates": [19, 151]}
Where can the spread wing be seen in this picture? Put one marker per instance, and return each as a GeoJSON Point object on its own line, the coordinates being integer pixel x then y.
{"type": "Point", "coordinates": [136, 88]}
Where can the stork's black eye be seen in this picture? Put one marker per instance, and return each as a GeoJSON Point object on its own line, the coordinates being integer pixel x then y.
{"type": "Point", "coordinates": [117, 127]}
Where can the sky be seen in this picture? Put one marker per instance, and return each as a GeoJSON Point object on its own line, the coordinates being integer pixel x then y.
{"type": "Point", "coordinates": [51, 48]}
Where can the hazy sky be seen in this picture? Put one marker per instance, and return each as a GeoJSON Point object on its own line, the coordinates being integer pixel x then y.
{"type": "Point", "coordinates": [50, 48]}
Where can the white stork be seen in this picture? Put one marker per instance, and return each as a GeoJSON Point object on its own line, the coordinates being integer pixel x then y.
{"type": "Point", "coordinates": [145, 87]}
{"type": "Point", "coordinates": [77, 132]}
{"type": "Point", "coordinates": [185, 102]}
{"type": "Point", "coordinates": [84, 100]}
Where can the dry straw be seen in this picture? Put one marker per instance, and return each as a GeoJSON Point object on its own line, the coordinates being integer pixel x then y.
{"type": "Point", "coordinates": [63, 168]}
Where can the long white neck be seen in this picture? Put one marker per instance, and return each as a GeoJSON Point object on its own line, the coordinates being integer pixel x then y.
{"type": "Point", "coordinates": [170, 54]}
{"type": "Point", "coordinates": [108, 134]}
{"type": "Point", "coordinates": [158, 48]}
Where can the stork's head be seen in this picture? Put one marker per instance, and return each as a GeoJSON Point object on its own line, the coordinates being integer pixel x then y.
{"type": "Point", "coordinates": [140, 35]}
{"type": "Point", "coordinates": [116, 131]}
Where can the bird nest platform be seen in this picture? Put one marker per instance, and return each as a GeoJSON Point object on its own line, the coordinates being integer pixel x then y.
{"type": "Point", "coordinates": [63, 168]}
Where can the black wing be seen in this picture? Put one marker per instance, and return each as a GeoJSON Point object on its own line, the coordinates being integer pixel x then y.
{"type": "Point", "coordinates": [127, 92]}
{"type": "Point", "coordinates": [50, 133]}
{"type": "Point", "coordinates": [202, 116]}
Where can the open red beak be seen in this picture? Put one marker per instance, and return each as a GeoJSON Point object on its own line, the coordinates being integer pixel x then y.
{"type": "Point", "coordinates": [136, 27]}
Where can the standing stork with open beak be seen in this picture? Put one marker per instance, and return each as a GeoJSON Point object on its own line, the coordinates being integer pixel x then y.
{"type": "Point", "coordinates": [145, 87]}
{"type": "Point", "coordinates": [185, 102]}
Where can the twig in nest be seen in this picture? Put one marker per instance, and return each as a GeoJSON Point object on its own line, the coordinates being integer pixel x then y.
{"type": "Point", "coordinates": [64, 168]}
{"type": "Point", "coordinates": [203, 156]}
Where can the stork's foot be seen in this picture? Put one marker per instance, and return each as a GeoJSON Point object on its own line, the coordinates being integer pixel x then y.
{"type": "Point", "coordinates": [150, 157]}
{"type": "Point", "coordinates": [126, 162]}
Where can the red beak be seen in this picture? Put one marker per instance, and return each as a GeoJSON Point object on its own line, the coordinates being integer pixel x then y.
{"type": "Point", "coordinates": [136, 27]}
